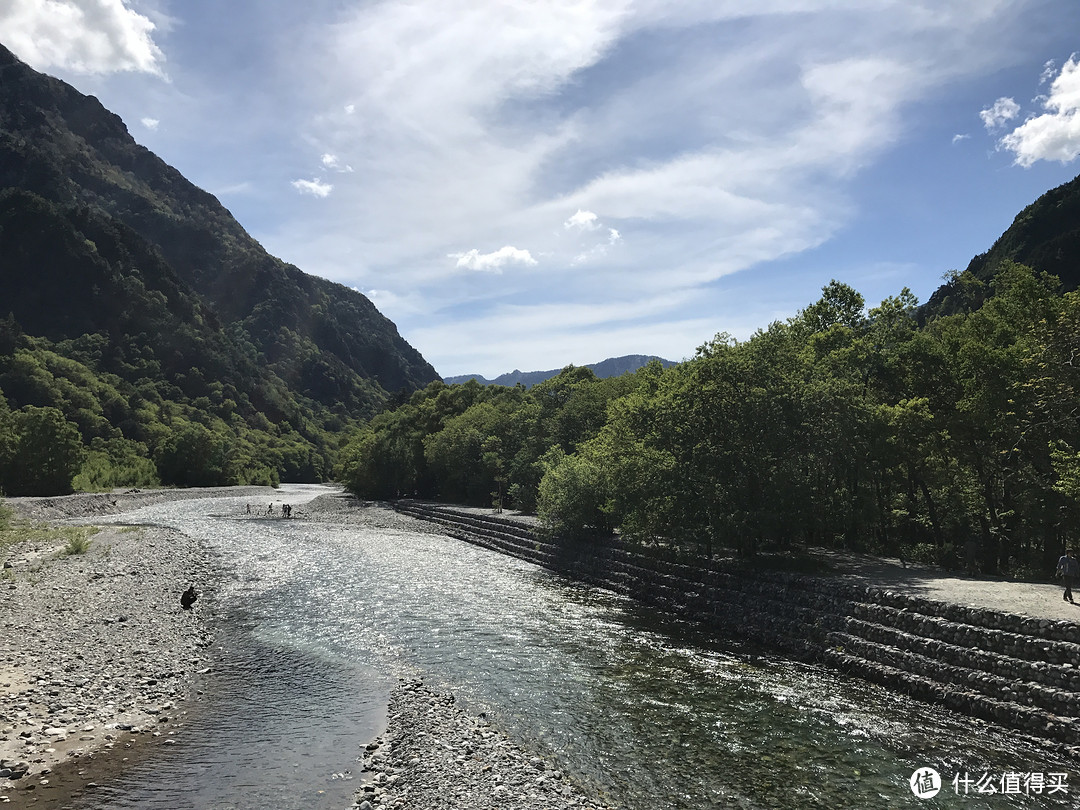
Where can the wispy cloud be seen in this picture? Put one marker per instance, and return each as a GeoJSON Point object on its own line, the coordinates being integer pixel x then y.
{"type": "Point", "coordinates": [315, 187]}
{"type": "Point", "coordinates": [150, 123]}
{"type": "Point", "coordinates": [84, 36]}
{"type": "Point", "coordinates": [582, 128]}
{"type": "Point", "coordinates": [622, 148]}
{"type": "Point", "coordinates": [1054, 135]}
{"type": "Point", "coordinates": [333, 162]}
{"type": "Point", "coordinates": [1002, 111]}
{"type": "Point", "coordinates": [243, 187]}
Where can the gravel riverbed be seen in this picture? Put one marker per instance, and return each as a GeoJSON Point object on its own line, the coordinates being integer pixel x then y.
{"type": "Point", "coordinates": [95, 649]}
{"type": "Point", "coordinates": [434, 754]}
{"type": "Point", "coordinates": [98, 661]}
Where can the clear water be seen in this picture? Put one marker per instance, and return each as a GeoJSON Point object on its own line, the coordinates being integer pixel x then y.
{"type": "Point", "coordinates": [645, 711]}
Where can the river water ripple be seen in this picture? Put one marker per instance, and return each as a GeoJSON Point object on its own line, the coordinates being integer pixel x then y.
{"type": "Point", "coordinates": [648, 711]}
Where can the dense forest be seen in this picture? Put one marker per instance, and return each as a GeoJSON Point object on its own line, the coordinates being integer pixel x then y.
{"type": "Point", "coordinates": [879, 430]}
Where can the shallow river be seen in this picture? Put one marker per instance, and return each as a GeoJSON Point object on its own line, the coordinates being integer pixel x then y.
{"type": "Point", "coordinates": [646, 711]}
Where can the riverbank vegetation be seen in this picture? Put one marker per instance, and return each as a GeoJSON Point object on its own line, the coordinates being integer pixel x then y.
{"type": "Point", "coordinates": [888, 430]}
{"type": "Point", "coordinates": [77, 416]}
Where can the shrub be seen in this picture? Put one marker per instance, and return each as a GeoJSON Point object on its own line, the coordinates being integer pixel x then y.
{"type": "Point", "coordinates": [78, 541]}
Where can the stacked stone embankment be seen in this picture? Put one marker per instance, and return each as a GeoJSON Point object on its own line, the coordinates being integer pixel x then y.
{"type": "Point", "coordinates": [1014, 670]}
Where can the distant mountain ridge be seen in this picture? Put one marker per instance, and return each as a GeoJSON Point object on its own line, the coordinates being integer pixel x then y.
{"type": "Point", "coordinates": [612, 367]}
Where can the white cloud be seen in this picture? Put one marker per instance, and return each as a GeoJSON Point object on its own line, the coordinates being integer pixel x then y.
{"type": "Point", "coordinates": [960, 137]}
{"type": "Point", "coordinates": [333, 162]}
{"type": "Point", "coordinates": [1004, 110]}
{"type": "Point", "coordinates": [495, 261]}
{"type": "Point", "coordinates": [1049, 69]}
{"type": "Point", "coordinates": [316, 187]}
{"type": "Point", "coordinates": [84, 36]}
{"type": "Point", "coordinates": [582, 221]}
{"type": "Point", "coordinates": [1054, 135]}
{"type": "Point", "coordinates": [492, 123]}
{"type": "Point", "coordinates": [150, 123]}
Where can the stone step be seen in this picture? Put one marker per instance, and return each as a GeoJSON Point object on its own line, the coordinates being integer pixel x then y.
{"type": "Point", "coordinates": [1017, 645]}
{"type": "Point", "coordinates": [1025, 718]}
{"type": "Point", "coordinates": [1064, 676]}
{"type": "Point", "coordinates": [1005, 689]}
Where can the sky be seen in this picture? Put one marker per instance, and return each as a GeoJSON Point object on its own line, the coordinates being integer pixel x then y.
{"type": "Point", "coordinates": [531, 183]}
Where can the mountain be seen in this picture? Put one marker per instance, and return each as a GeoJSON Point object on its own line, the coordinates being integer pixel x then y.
{"type": "Point", "coordinates": [135, 308]}
{"type": "Point", "coordinates": [612, 367]}
{"type": "Point", "coordinates": [318, 336]}
{"type": "Point", "coordinates": [1044, 236]}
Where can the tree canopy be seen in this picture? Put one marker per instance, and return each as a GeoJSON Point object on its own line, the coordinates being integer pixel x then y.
{"type": "Point", "coordinates": [841, 426]}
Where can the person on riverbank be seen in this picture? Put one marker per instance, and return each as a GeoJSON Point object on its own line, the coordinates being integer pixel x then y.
{"type": "Point", "coordinates": [188, 597]}
{"type": "Point", "coordinates": [1068, 568]}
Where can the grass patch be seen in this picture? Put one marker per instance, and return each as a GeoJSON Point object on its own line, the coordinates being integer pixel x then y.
{"type": "Point", "coordinates": [78, 539]}
{"type": "Point", "coordinates": [14, 532]}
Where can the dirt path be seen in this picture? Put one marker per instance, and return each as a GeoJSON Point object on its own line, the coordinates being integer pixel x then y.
{"type": "Point", "coordinates": [1040, 600]}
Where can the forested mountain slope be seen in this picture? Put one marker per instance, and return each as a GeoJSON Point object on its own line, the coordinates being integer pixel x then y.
{"type": "Point", "coordinates": [1045, 236]}
{"type": "Point", "coordinates": [67, 148]}
{"type": "Point", "coordinates": [137, 312]}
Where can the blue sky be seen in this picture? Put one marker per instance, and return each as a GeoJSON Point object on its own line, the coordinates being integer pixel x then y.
{"type": "Point", "coordinates": [530, 184]}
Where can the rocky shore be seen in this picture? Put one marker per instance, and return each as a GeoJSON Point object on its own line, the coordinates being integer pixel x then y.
{"type": "Point", "coordinates": [95, 650]}
{"type": "Point", "coordinates": [436, 755]}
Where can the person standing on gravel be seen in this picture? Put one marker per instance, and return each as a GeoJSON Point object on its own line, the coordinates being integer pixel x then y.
{"type": "Point", "coordinates": [1068, 568]}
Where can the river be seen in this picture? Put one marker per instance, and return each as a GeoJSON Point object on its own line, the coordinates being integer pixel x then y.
{"type": "Point", "coordinates": [319, 619]}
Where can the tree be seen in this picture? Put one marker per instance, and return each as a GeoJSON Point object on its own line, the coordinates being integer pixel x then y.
{"type": "Point", "coordinates": [572, 493]}
{"type": "Point", "coordinates": [48, 453]}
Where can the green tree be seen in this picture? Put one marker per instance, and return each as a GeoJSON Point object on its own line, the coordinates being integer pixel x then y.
{"type": "Point", "coordinates": [48, 453]}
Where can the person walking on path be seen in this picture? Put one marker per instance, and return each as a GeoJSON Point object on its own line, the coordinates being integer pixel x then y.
{"type": "Point", "coordinates": [1068, 568]}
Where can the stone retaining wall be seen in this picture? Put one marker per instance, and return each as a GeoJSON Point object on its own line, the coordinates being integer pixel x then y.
{"type": "Point", "coordinates": [1007, 668]}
